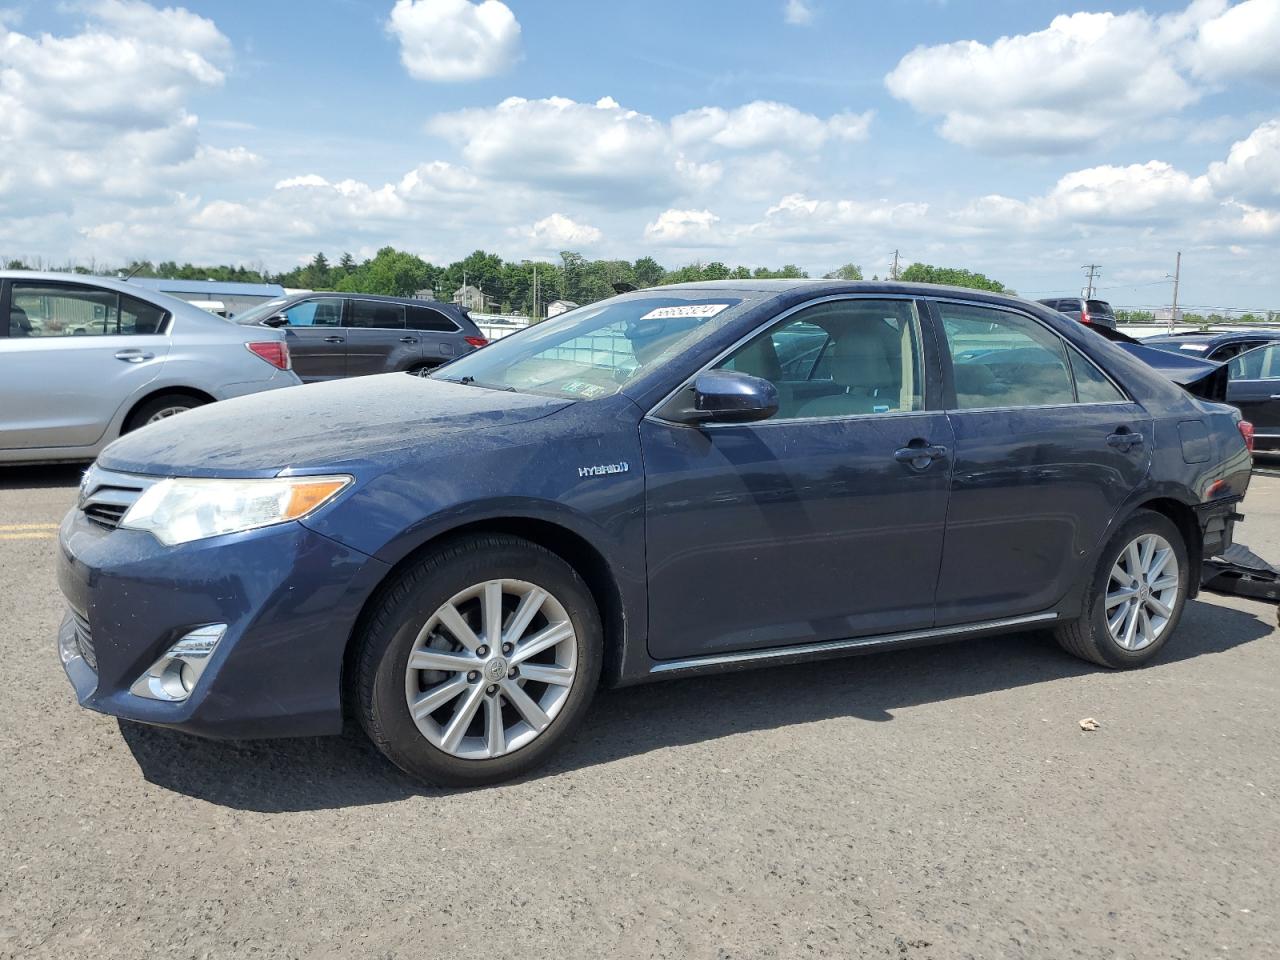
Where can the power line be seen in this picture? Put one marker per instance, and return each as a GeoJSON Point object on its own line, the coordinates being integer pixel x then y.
{"type": "Point", "coordinates": [1094, 269]}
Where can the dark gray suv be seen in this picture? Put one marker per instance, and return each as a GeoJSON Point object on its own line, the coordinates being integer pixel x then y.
{"type": "Point", "coordinates": [336, 335]}
{"type": "Point", "coordinates": [1095, 312]}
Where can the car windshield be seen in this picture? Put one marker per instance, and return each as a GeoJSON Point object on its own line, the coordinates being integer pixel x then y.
{"type": "Point", "coordinates": [261, 311]}
{"type": "Point", "coordinates": [593, 351]}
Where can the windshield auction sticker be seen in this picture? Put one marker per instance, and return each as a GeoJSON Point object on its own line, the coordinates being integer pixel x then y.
{"type": "Point", "coordinates": [702, 310]}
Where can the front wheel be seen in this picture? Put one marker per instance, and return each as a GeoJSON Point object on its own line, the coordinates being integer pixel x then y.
{"type": "Point", "coordinates": [161, 408]}
{"type": "Point", "coordinates": [478, 661]}
{"type": "Point", "coordinates": [1136, 595]}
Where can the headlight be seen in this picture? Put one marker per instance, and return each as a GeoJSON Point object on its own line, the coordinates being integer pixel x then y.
{"type": "Point", "coordinates": [180, 510]}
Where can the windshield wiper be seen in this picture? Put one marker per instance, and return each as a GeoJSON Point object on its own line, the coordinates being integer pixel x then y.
{"type": "Point", "coordinates": [473, 382]}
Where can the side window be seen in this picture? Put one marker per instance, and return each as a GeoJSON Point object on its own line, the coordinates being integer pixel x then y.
{"type": "Point", "coordinates": [322, 312]}
{"type": "Point", "coordinates": [1092, 386]}
{"type": "Point", "coordinates": [843, 358]}
{"type": "Point", "coordinates": [1260, 364]}
{"type": "Point", "coordinates": [424, 318]}
{"type": "Point", "coordinates": [140, 317]}
{"type": "Point", "coordinates": [44, 310]}
{"type": "Point", "coordinates": [1002, 359]}
{"type": "Point", "coordinates": [376, 315]}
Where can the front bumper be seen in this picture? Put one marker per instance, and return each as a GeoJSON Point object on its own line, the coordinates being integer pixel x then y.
{"type": "Point", "coordinates": [289, 596]}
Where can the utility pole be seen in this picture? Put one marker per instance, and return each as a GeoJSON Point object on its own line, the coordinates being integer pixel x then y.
{"type": "Point", "coordinates": [1094, 269]}
{"type": "Point", "coordinates": [535, 293]}
{"type": "Point", "coordinates": [1177, 278]}
{"type": "Point", "coordinates": [895, 265]}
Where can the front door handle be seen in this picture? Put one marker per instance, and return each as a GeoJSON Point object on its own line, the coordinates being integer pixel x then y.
{"type": "Point", "coordinates": [1125, 440]}
{"type": "Point", "coordinates": [920, 454]}
{"type": "Point", "coordinates": [408, 340]}
{"type": "Point", "coordinates": [334, 340]}
{"type": "Point", "coordinates": [134, 356]}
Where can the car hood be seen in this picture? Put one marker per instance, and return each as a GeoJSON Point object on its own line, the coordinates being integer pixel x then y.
{"type": "Point", "coordinates": [335, 425]}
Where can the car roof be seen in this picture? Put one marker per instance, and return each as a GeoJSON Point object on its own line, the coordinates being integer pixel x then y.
{"type": "Point", "coordinates": [820, 288]}
{"type": "Point", "coordinates": [410, 301]}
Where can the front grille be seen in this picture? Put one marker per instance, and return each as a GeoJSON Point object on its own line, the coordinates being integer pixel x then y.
{"type": "Point", "coordinates": [106, 497]}
{"type": "Point", "coordinates": [84, 640]}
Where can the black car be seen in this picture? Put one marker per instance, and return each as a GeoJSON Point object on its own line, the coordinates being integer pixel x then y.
{"type": "Point", "coordinates": [1098, 313]}
{"type": "Point", "coordinates": [675, 481]}
{"type": "Point", "coordinates": [1254, 388]}
{"type": "Point", "coordinates": [336, 335]}
{"type": "Point", "coordinates": [1218, 347]}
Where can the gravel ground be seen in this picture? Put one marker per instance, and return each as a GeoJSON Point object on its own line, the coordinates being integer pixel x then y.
{"type": "Point", "coordinates": [938, 802]}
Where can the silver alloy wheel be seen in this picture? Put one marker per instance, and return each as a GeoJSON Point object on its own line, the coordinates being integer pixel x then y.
{"type": "Point", "coordinates": [1142, 592]}
{"type": "Point", "coordinates": [422, 372]}
{"type": "Point", "coordinates": [491, 668]}
{"type": "Point", "coordinates": [164, 413]}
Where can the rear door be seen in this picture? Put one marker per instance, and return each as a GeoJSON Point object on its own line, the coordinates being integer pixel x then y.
{"type": "Point", "coordinates": [378, 340]}
{"type": "Point", "coordinates": [440, 337]}
{"type": "Point", "coordinates": [74, 353]}
{"type": "Point", "coordinates": [1255, 389]}
{"type": "Point", "coordinates": [317, 341]}
{"type": "Point", "coordinates": [1047, 449]}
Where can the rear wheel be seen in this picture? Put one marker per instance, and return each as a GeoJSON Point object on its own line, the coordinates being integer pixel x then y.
{"type": "Point", "coordinates": [1136, 595]}
{"type": "Point", "coordinates": [479, 661]}
{"type": "Point", "coordinates": [162, 408]}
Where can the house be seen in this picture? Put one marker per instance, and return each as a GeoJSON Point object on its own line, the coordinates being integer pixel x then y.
{"type": "Point", "coordinates": [557, 307]}
{"type": "Point", "coordinates": [470, 298]}
{"type": "Point", "coordinates": [234, 297]}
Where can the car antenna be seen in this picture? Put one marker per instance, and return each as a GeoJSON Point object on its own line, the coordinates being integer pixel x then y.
{"type": "Point", "coordinates": [133, 272]}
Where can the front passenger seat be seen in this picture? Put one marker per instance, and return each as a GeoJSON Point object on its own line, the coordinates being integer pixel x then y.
{"type": "Point", "coordinates": [19, 323]}
{"type": "Point", "coordinates": [865, 363]}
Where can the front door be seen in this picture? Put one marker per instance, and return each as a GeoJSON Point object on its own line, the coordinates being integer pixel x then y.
{"type": "Point", "coordinates": [1255, 389]}
{"type": "Point", "coordinates": [73, 355]}
{"type": "Point", "coordinates": [1047, 449]}
{"type": "Point", "coordinates": [825, 521]}
{"type": "Point", "coordinates": [317, 340]}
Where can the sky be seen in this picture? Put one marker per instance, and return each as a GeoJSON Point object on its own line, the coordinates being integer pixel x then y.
{"type": "Point", "coordinates": [1020, 138]}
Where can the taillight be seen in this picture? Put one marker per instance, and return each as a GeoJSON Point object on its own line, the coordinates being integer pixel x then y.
{"type": "Point", "coordinates": [477, 341]}
{"type": "Point", "coordinates": [275, 352]}
{"type": "Point", "coordinates": [1246, 431]}
{"type": "Point", "coordinates": [1084, 316]}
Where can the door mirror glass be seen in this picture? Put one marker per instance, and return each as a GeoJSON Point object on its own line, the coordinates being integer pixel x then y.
{"type": "Point", "coordinates": [726, 396]}
{"type": "Point", "coordinates": [279, 320]}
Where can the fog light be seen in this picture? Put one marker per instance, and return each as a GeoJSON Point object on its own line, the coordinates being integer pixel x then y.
{"type": "Point", "coordinates": [176, 674]}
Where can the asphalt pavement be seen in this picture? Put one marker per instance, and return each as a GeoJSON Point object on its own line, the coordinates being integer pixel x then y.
{"type": "Point", "coordinates": [931, 803]}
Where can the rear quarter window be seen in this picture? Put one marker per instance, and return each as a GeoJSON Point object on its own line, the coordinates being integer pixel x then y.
{"type": "Point", "coordinates": [426, 318]}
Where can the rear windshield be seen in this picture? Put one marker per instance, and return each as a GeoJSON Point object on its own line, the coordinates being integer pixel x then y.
{"type": "Point", "coordinates": [1178, 346]}
{"type": "Point", "coordinates": [593, 351]}
{"type": "Point", "coordinates": [1100, 307]}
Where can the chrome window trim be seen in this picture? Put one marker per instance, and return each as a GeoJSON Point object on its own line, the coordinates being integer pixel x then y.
{"type": "Point", "coordinates": [826, 646]}
{"type": "Point", "coordinates": [1002, 308]}
{"type": "Point", "coordinates": [688, 381]}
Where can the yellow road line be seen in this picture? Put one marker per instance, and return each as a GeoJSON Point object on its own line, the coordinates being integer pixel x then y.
{"type": "Point", "coordinates": [26, 536]}
{"type": "Point", "coordinates": [11, 527]}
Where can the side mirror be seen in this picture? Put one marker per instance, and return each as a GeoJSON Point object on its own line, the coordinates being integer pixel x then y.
{"type": "Point", "coordinates": [279, 320]}
{"type": "Point", "coordinates": [726, 396]}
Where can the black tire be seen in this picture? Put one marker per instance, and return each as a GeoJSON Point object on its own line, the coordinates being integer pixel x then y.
{"type": "Point", "coordinates": [1088, 637]}
{"type": "Point", "coordinates": [409, 601]}
{"type": "Point", "coordinates": [166, 401]}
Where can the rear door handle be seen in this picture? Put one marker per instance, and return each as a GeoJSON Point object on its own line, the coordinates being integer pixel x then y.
{"type": "Point", "coordinates": [334, 340]}
{"type": "Point", "coordinates": [920, 455]}
{"type": "Point", "coordinates": [408, 340]}
{"type": "Point", "coordinates": [134, 356]}
{"type": "Point", "coordinates": [1125, 440]}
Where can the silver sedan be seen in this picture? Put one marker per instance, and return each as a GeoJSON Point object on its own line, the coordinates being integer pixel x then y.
{"type": "Point", "coordinates": [85, 359]}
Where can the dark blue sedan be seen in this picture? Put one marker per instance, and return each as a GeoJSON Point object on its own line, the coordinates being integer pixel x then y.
{"type": "Point", "coordinates": [677, 480]}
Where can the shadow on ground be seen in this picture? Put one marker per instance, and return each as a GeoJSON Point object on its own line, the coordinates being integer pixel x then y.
{"type": "Point", "coordinates": [41, 478]}
{"type": "Point", "coordinates": [323, 773]}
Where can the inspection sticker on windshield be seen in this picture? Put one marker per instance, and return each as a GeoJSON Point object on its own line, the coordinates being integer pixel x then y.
{"type": "Point", "coordinates": [686, 310]}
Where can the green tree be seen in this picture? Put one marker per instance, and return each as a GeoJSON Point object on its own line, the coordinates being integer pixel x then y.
{"type": "Point", "coordinates": [648, 271]}
{"type": "Point", "coordinates": [952, 276]}
{"type": "Point", "coordinates": [850, 271]}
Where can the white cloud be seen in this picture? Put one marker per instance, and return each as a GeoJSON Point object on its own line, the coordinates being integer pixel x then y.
{"type": "Point", "coordinates": [452, 40]}
{"type": "Point", "coordinates": [599, 150]}
{"type": "Point", "coordinates": [798, 218]}
{"type": "Point", "coordinates": [558, 232]}
{"type": "Point", "coordinates": [1243, 42]}
{"type": "Point", "coordinates": [1251, 172]}
{"type": "Point", "coordinates": [124, 81]}
{"type": "Point", "coordinates": [1087, 77]}
{"type": "Point", "coordinates": [797, 12]}
{"type": "Point", "coordinates": [765, 123]}
{"type": "Point", "coordinates": [682, 227]}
